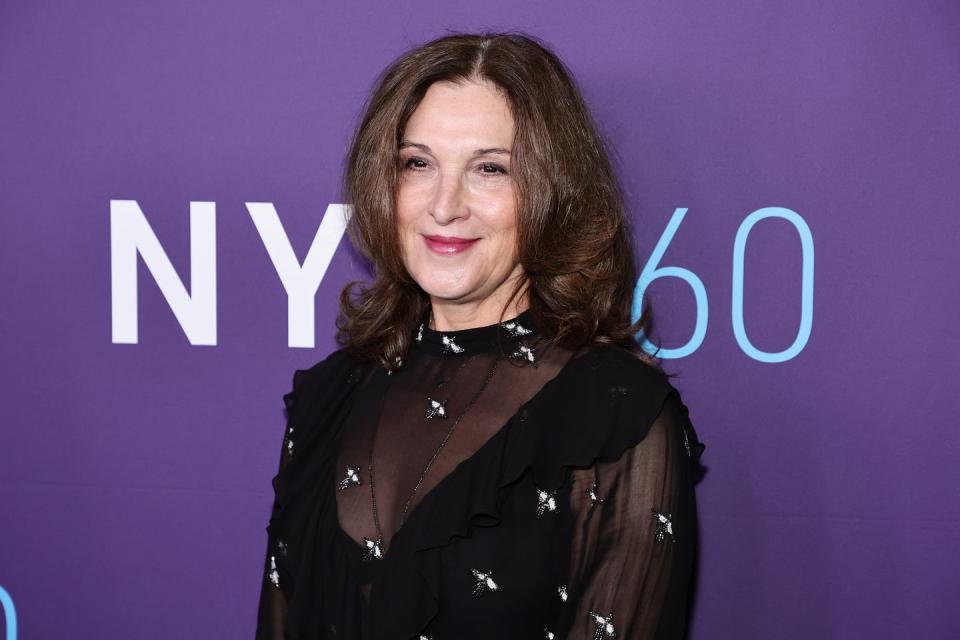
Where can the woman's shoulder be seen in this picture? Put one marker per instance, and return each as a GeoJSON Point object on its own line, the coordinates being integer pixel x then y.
{"type": "Point", "coordinates": [333, 364]}
{"type": "Point", "coordinates": [631, 393]}
{"type": "Point", "coordinates": [604, 403]}
{"type": "Point", "coordinates": [331, 374]}
{"type": "Point", "coordinates": [617, 371]}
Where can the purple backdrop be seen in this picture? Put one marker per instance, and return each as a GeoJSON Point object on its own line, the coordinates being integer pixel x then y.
{"type": "Point", "coordinates": [134, 477]}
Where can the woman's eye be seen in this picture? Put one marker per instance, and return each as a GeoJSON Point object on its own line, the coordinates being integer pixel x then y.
{"type": "Point", "coordinates": [486, 168]}
{"type": "Point", "coordinates": [414, 163]}
{"type": "Point", "coordinates": [491, 168]}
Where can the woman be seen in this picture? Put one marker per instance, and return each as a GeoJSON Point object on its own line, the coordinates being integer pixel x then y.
{"type": "Point", "coordinates": [489, 455]}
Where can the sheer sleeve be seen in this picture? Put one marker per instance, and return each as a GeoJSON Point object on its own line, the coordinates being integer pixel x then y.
{"type": "Point", "coordinates": [272, 608]}
{"type": "Point", "coordinates": [634, 537]}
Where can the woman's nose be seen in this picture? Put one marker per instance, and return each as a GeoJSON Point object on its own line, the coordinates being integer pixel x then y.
{"type": "Point", "coordinates": [448, 199]}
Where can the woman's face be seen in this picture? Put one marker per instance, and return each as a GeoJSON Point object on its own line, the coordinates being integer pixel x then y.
{"type": "Point", "coordinates": [456, 204]}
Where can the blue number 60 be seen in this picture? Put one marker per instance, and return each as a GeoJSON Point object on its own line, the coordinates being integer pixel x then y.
{"type": "Point", "coordinates": [9, 614]}
{"type": "Point", "coordinates": [806, 286]}
{"type": "Point", "coordinates": [652, 271]}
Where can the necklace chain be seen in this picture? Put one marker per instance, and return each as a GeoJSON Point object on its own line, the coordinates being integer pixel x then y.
{"type": "Point", "coordinates": [442, 380]}
{"type": "Point", "coordinates": [423, 474]}
{"type": "Point", "coordinates": [433, 458]}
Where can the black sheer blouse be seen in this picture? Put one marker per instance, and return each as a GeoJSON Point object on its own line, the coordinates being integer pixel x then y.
{"type": "Point", "coordinates": [520, 491]}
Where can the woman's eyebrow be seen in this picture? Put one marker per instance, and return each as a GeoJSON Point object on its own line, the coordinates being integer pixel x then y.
{"type": "Point", "coordinates": [478, 152]}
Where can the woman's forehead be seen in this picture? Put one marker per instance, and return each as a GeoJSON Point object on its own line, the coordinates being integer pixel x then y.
{"type": "Point", "coordinates": [469, 115]}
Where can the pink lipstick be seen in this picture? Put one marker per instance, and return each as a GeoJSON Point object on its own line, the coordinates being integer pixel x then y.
{"type": "Point", "coordinates": [448, 245]}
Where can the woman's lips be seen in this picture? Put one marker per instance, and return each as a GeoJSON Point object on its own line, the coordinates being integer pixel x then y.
{"type": "Point", "coordinates": [449, 244]}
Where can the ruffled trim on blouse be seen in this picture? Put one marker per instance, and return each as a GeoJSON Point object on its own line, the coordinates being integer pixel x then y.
{"type": "Point", "coordinates": [610, 399]}
{"type": "Point", "coordinates": [304, 507]}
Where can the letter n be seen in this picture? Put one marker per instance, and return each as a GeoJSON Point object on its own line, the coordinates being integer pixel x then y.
{"type": "Point", "coordinates": [130, 235]}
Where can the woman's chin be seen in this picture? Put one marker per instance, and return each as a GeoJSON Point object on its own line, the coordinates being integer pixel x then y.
{"type": "Point", "coordinates": [445, 293]}
{"type": "Point", "coordinates": [442, 283]}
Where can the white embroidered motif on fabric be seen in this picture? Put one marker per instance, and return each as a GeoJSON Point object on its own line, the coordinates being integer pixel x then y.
{"type": "Point", "coordinates": [525, 353]}
{"type": "Point", "coordinates": [437, 408]}
{"type": "Point", "coordinates": [515, 329]}
{"type": "Point", "coordinates": [546, 501]}
{"type": "Point", "coordinates": [562, 590]}
{"type": "Point", "coordinates": [351, 477]}
{"type": "Point", "coordinates": [595, 499]}
{"type": "Point", "coordinates": [450, 345]}
{"type": "Point", "coordinates": [373, 549]}
{"type": "Point", "coordinates": [419, 333]}
{"type": "Point", "coordinates": [604, 625]}
{"type": "Point", "coordinates": [484, 582]}
{"type": "Point", "coordinates": [274, 576]}
{"type": "Point", "coordinates": [548, 634]}
{"type": "Point", "coordinates": [664, 526]}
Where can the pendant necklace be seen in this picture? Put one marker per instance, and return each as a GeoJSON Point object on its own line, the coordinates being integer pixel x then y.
{"type": "Point", "coordinates": [374, 547]}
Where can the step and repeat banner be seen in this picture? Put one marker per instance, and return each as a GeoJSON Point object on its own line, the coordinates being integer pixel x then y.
{"type": "Point", "coordinates": [172, 248]}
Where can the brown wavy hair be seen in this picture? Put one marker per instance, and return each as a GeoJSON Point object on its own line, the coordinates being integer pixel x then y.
{"type": "Point", "coordinates": [574, 240]}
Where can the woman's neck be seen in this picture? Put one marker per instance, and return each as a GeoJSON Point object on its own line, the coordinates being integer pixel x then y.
{"type": "Point", "coordinates": [447, 316]}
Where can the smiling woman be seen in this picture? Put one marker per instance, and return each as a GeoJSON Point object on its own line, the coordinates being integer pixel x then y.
{"type": "Point", "coordinates": [456, 203]}
{"type": "Point", "coordinates": [489, 454]}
